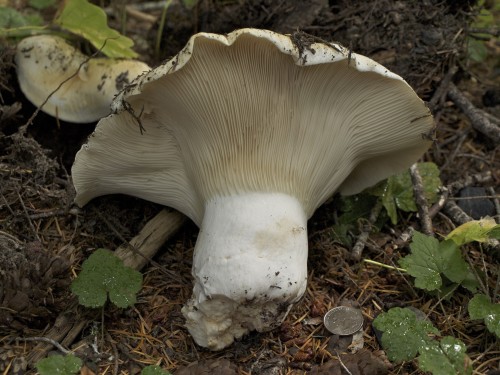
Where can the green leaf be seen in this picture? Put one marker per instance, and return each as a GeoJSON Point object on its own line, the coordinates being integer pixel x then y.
{"type": "Point", "coordinates": [423, 263]}
{"type": "Point", "coordinates": [403, 334]}
{"type": "Point", "coordinates": [429, 259]}
{"type": "Point", "coordinates": [480, 307]}
{"type": "Point", "coordinates": [470, 282]}
{"type": "Point", "coordinates": [476, 230]}
{"type": "Point", "coordinates": [390, 192]}
{"type": "Point", "coordinates": [494, 233]}
{"type": "Point", "coordinates": [10, 18]}
{"type": "Point", "coordinates": [340, 233]}
{"type": "Point", "coordinates": [476, 50]}
{"type": "Point", "coordinates": [59, 365]}
{"type": "Point", "coordinates": [445, 357]}
{"type": "Point", "coordinates": [352, 208]}
{"type": "Point", "coordinates": [154, 370]}
{"type": "Point", "coordinates": [451, 262]}
{"type": "Point", "coordinates": [89, 21]}
{"type": "Point", "coordinates": [484, 19]}
{"type": "Point", "coordinates": [397, 191]}
{"type": "Point", "coordinates": [17, 25]}
{"type": "Point", "coordinates": [355, 207]}
{"type": "Point", "coordinates": [104, 274]}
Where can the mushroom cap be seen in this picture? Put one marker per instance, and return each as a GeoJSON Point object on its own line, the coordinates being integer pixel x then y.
{"type": "Point", "coordinates": [254, 111]}
{"type": "Point", "coordinates": [45, 61]}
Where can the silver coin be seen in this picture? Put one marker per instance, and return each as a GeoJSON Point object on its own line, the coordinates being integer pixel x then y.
{"type": "Point", "coordinates": [343, 320]}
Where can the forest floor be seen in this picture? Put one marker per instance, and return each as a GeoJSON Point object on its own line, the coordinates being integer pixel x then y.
{"type": "Point", "coordinates": [44, 237]}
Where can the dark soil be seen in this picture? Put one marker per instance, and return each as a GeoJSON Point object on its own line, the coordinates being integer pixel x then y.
{"type": "Point", "coordinates": [44, 237]}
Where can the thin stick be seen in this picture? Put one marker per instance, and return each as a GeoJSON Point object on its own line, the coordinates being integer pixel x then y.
{"type": "Point", "coordinates": [139, 251]}
{"type": "Point", "coordinates": [440, 93]}
{"type": "Point", "coordinates": [342, 363]}
{"type": "Point", "coordinates": [421, 201]}
{"type": "Point", "coordinates": [137, 14]}
{"type": "Point", "coordinates": [448, 190]}
{"type": "Point", "coordinates": [455, 213]}
{"type": "Point", "coordinates": [468, 181]}
{"type": "Point", "coordinates": [161, 27]}
{"type": "Point", "coordinates": [50, 341]}
{"type": "Point", "coordinates": [28, 217]}
{"type": "Point", "coordinates": [496, 202]}
{"type": "Point", "coordinates": [143, 6]}
{"type": "Point", "coordinates": [358, 247]}
{"type": "Point", "coordinates": [478, 122]}
{"type": "Point", "coordinates": [483, 30]}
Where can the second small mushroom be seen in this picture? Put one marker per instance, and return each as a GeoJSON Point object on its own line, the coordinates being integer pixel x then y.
{"type": "Point", "coordinates": [247, 134]}
{"type": "Point", "coordinates": [44, 62]}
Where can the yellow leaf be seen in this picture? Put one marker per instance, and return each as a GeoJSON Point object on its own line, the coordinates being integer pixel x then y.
{"type": "Point", "coordinates": [476, 230]}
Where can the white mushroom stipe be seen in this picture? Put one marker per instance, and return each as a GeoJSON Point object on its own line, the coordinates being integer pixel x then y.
{"type": "Point", "coordinates": [44, 62]}
{"type": "Point", "coordinates": [248, 134]}
{"type": "Point", "coordinates": [250, 266]}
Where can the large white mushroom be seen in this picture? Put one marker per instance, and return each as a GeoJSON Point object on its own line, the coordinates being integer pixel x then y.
{"type": "Point", "coordinates": [247, 134]}
{"type": "Point", "coordinates": [45, 61]}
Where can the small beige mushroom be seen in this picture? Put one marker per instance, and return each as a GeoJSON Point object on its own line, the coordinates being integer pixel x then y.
{"type": "Point", "coordinates": [45, 61]}
{"type": "Point", "coordinates": [247, 134]}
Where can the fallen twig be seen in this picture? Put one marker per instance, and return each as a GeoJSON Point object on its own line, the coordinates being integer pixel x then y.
{"type": "Point", "coordinates": [455, 213]}
{"type": "Point", "coordinates": [421, 201]}
{"type": "Point", "coordinates": [469, 180]}
{"type": "Point", "coordinates": [478, 121]}
{"type": "Point", "coordinates": [440, 93]}
{"type": "Point", "coordinates": [139, 251]}
{"type": "Point", "coordinates": [33, 229]}
{"type": "Point", "coordinates": [358, 247]}
{"type": "Point", "coordinates": [483, 30]}
{"type": "Point", "coordinates": [140, 15]}
{"type": "Point", "coordinates": [490, 117]}
{"type": "Point", "coordinates": [50, 341]}
{"type": "Point", "coordinates": [446, 191]}
{"type": "Point", "coordinates": [496, 202]}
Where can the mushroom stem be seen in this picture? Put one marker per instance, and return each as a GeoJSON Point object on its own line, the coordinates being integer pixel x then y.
{"type": "Point", "coordinates": [250, 266]}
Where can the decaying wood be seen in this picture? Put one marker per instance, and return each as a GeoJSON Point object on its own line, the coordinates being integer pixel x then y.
{"type": "Point", "coordinates": [139, 251]}
{"type": "Point", "coordinates": [136, 254]}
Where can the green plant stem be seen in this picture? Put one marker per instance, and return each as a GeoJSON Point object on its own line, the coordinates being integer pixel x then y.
{"type": "Point", "coordinates": [161, 26]}
{"type": "Point", "coordinates": [123, 17]}
{"type": "Point", "coordinates": [24, 31]}
{"type": "Point", "coordinates": [102, 324]}
{"type": "Point", "coordinates": [369, 261]}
